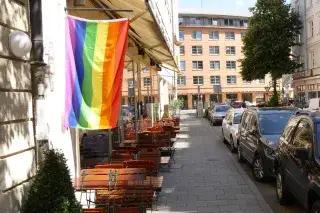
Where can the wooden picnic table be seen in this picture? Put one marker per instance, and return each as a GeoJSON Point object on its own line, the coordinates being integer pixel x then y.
{"type": "Point", "coordinates": [106, 171]}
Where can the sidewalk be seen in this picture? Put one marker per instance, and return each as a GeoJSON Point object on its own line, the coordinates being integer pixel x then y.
{"type": "Point", "coordinates": [205, 178]}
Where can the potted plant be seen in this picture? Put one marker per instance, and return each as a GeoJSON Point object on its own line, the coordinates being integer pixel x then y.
{"type": "Point", "coordinates": [52, 190]}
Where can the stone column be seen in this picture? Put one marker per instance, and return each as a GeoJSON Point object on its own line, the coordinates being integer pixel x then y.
{"type": "Point", "coordinates": [224, 97]}
{"type": "Point", "coordinates": [239, 96]}
{"type": "Point", "coordinates": [253, 97]}
{"type": "Point", "coordinates": [189, 101]}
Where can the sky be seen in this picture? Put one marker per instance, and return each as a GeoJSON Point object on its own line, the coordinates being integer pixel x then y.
{"type": "Point", "coordinates": [239, 7]}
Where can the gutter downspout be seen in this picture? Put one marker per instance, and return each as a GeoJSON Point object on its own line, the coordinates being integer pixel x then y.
{"type": "Point", "coordinates": [37, 64]}
{"type": "Point", "coordinates": [306, 41]}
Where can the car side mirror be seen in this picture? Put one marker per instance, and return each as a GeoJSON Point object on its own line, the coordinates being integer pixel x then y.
{"type": "Point", "coordinates": [301, 153]}
{"type": "Point", "coordinates": [229, 122]}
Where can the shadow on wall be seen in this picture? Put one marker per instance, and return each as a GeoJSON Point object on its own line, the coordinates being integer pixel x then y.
{"type": "Point", "coordinates": [14, 170]}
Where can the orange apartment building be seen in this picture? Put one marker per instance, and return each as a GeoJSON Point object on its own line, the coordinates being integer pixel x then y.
{"type": "Point", "coordinates": [209, 54]}
{"type": "Point", "coordinates": [146, 85]}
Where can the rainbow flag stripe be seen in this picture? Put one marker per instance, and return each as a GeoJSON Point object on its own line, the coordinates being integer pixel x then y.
{"type": "Point", "coordinates": [95, 52]}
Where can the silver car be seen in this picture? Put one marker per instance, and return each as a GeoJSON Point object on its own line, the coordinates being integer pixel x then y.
{"type": "Point", "coordinates": [218, 113]}
{"type": "Point", "coordinates": [230, 126]}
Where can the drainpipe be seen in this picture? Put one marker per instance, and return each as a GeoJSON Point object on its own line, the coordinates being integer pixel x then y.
{"type": "Point", "coordinates": [37, 64]}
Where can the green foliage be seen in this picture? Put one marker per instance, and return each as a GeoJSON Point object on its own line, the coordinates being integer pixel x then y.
{"type": "Point", "coordinates": [273, 29]}
{"type": "Point", "coordinates": [274, 101]}
{"type": "Point", "coordinates": [52, 191]}
{"type": "Point", "coordinates": [175, 105]}
{"type": "Point", "coordinates": [156, 111]}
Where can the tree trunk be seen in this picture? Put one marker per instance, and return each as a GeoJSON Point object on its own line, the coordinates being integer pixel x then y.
{"type": "Point", "coordinates": [275, 93]}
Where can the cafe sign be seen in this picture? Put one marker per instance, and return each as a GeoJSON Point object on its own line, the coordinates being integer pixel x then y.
{"type": "Point", "coordinates": [298, 75]}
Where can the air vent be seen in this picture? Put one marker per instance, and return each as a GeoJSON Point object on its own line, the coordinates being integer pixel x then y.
{"type": "Point", "coordinates": [79, 2]}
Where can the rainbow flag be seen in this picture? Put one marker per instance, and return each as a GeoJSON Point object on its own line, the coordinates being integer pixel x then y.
{"type": "Point", "coordinates": [95, 52]}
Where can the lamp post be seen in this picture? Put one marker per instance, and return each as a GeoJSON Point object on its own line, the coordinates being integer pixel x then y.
{"type": "Point", "coordinates": [267, 88]}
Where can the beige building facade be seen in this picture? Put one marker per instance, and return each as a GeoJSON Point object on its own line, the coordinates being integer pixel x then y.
{"type": "Point", "coordinates": [306, 81]}
{"type": "Point", "coordinates": [209, 56]}
{"type": "Point", "coordinates": [17, 147]}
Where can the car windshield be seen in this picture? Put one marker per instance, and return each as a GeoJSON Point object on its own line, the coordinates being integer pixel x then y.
{"type": "Point", "coordinates": [273, 123]}
{"type": "Point", "coordinates": [237, 118]}
{"type": "Point", "coordinates": [222, 108]}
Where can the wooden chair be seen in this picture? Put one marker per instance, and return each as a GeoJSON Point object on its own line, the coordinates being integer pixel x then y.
{"type": "Point", "coordinates": [130, 136]}
{"type": "Point", "coordinates": [94, 210]}
{"type": "Point", "coordinates": [150, 166]}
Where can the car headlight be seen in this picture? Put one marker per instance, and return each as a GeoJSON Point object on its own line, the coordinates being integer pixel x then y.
{"type": "Point", "coordinates": [269, 151]}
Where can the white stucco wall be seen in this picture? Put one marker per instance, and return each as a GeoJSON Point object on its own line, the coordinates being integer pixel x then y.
{"type": "Point", "coordinates": [54, 55]}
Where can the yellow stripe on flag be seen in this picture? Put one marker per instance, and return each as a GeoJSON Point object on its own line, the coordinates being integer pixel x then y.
{"type": "Point", "coordinates": [97, 73]}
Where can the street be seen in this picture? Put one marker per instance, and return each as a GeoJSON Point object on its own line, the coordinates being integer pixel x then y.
{"type": "Point", "coordinates": [206, 176]}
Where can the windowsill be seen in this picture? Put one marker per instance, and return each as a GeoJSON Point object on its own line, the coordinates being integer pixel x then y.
{"type": "Point", "coordinates": [213, 39]}
{"type": "Point", "coordinates": [196, 54]}
{"type": "Point", "coordinates": [231, 84]}
{"type": "Point", "coordinates": [214, 54]}
{"type": "Point", "coordinates": [231, 70]}
{"type": "Point", "coordinates": [197, 69]}
{"type": "Point", "coordinates": [230, 54]}
{"type": "Point", "coordinates": [197, 84]}
{"type": "Point", "coordinates": [214, 69]}
{"type": "Point", "coordinates": [230, 39]}
{"type": "Point", "coordinates": [196, 39]}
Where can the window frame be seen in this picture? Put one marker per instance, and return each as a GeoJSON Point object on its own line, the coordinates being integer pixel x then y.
{"type": "Point", "coordinates": [197, 48]}
{"type": "Point", "coordinates": [198, 77]}
{"type": "Point", "coordinates": [184, 50]}
{"type": "Point", "coordinates": [179, 80]}
{"type": "Point", "coordinates": [231, 67]}
{"type": "Point", "coordinates": [213, 77]}
{"type": "Point", "coordinates": [214, 49]}
{"type": "Point", "coordinates": [197, 67]}
{"type": "Point", "coordinates": [181, 36]}
{"type": "Point", "coordinates": [214, 63]}
{"type": "Point", "coordinates": [211, 34]}
{"type": "Point", "coordinates": [196, 38]}
{"type": "Point", "coordinates": [231, 77]}
{"type": "Point", "coordinates": [228, 36]}
{"type": "Point", "coordinates": [146, 82]}
{"type": "Point", "coordinates": [229, 49]}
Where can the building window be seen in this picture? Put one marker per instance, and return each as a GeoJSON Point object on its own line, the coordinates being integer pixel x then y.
{"type": "Point", "coordinates": [196, 34]}
{"type": "Point", "coordinates": [243, 23]}
{"type": "Point", "coordinates": [214, 50]}
{"type": "Point", "coordinates": [311, 31]}
{"type": "Point", "coordinates": [231, 50]}
{"type": "Point", "coordinates": [229, 22]}
{"type": "Point", "coordinates": [214, 36]}
{"type": "Point", "coordinates": [197, 65]}
{"type": "Point", "coordinates": [198, 80]}
{"type": "Point", "coordinates": [182, 51]}
{"type": "Point", "coordinates": [213, 21]}
{"type": "Point", "coordinates": [145, 70]}
{"type": "Point", "coordinates": [181, 80]}
{"type": "Point", "coordinates": [230, 36]}
{"type": "Point", "coordinates": [130, 83]}
{"type": "Point", "coordinates": [231, 65]}
{"type": "Point", "coordinates": [214, 80]}
{"type": "Point", "coordinates": [146, 81]}
{"type": "Point", "coordinates": [231, 79]}
{"type": "Point", "coordinates": [181, 35]}
{"type": "Point", "coordinates": [243, 35]}
{"type": "Point", "coordinates": [261, 81]}
{"type": "Point", "coordinates": [182, 65]}
{"type": "Point", "coordinates": [196, 50]}
{"type": "Point", "coordinates": [246, 82]}
{"type": "Point", "coordinates": [215, 65]}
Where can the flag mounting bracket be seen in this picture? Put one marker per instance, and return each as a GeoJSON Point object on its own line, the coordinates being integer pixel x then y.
{"type": "Point", "coordinates": [97, 9]}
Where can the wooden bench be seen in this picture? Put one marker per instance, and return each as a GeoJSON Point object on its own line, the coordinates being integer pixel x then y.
{"type": "Point", "coordinates": [106, 171]}
{"type": "Point", "coordinates": [118, 209]}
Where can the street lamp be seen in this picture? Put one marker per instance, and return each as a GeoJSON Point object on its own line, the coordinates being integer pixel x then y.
{"type": "Point", "coordinates": [267, 88]}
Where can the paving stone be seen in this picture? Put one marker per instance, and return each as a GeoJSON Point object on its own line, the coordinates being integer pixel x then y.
{"type": "Point", "coordinates": [205, 176]}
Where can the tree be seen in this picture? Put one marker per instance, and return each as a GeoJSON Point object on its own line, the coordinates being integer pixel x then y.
{"type": "Point", "coordinates": [52, 191]}
{"type": "Point", "coordinates": [272, 32]}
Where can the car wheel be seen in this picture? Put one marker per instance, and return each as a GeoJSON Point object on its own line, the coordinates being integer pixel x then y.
{"type": "Point", "coordinates": [233, 148]}
{"type": "Point", "coordinates": [283, 194]}
{"type": "Point", "coordinates": [258, 172]}
{"type": "Point", "coordinates": [316, 207]}
{"type": "Point", "coordinates": [239, 153]}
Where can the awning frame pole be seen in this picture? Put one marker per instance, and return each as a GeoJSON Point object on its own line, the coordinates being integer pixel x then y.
{"type": "Point", "coordinates": [135, 100]}
{"type": "Point", "coordinates": [97, 9]}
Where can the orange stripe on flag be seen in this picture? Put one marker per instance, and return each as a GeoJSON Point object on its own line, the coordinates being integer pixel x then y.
{"type": "Point", "coordinates": [109, 76]}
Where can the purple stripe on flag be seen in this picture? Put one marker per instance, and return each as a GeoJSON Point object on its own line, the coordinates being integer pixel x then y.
{"type": "Point", "coordinates": [70, 71]}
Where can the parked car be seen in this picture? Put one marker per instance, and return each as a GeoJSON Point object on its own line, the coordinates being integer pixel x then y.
{"type": "Point", "coordinates": [297, 162]}
{"type": "Point", "coordinates": [230, 126]}
{"type": "Point", "coordinates": [218, 113]}
{"type": "Point", "coordinates": [259, 132]}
